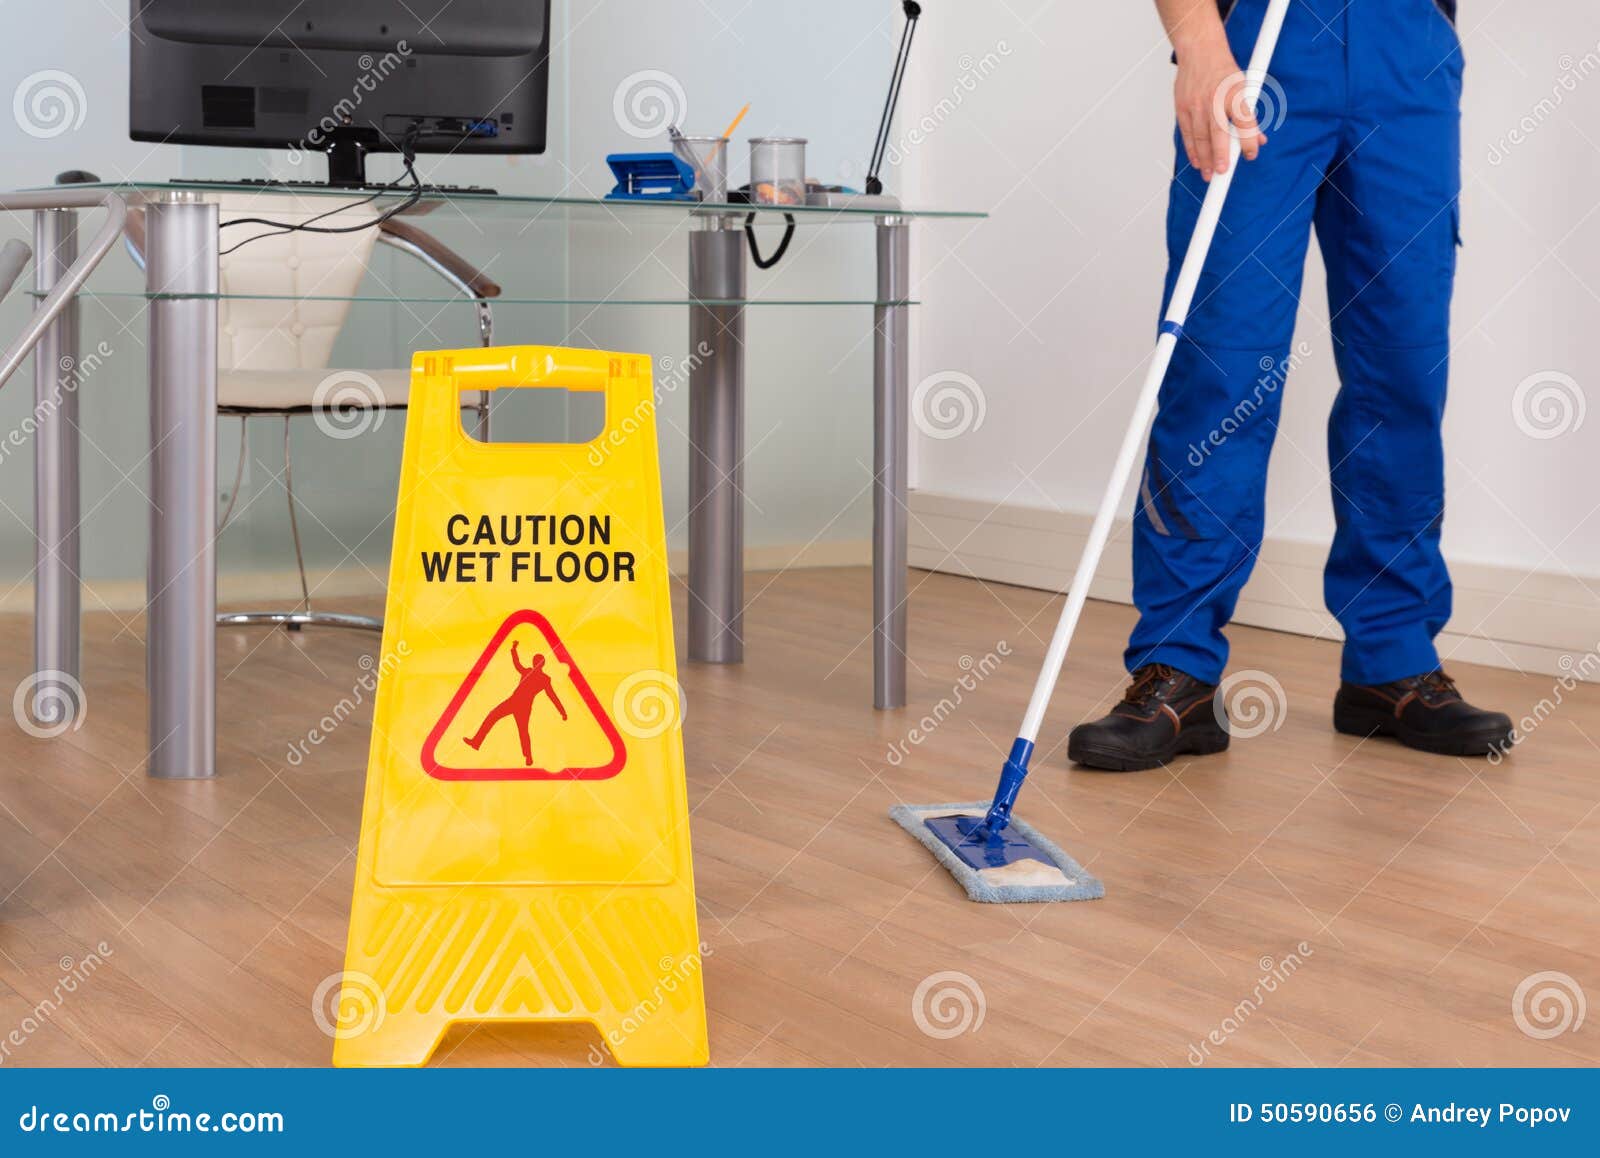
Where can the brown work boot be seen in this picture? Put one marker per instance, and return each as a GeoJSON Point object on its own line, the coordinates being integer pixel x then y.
{"type": "Point", "coordinates": [1425, 712]}
{"type": "Point", "coordinates": [1164, 713]}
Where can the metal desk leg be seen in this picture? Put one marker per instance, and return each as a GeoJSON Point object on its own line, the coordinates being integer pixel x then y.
{"type": "Point", "coordinates": [56, 595]}
{"type": "Point", "coordinates": [716, 446]}
{"type": "Point", "coordinates": [890, 438]}
{"type": "Point", "coordinates": [181, 663]}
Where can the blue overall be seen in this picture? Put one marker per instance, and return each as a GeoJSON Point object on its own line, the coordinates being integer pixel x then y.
{"type": "Point", "coordinates": [1367, 154]}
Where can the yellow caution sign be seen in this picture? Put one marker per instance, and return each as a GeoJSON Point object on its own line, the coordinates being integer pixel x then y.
{"type": "Point", "coordinates": [525, 835]}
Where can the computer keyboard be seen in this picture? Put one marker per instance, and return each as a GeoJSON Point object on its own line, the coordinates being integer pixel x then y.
{"type": "Point", "coordinates": [324, 187]}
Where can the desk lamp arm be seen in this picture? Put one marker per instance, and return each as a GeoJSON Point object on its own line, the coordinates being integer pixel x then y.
{"type": "Point", "coordinates": [880, 146]}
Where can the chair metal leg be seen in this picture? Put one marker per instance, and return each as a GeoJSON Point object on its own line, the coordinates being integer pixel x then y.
{"type": "Point", "coordinates": [486, 337]}
{"type": "Point", "coordinates": [294, 620]}
{"type": "Point", "coordinates": [238, 476]}
{"type": "Point", "coordinates": [294, 523]}
{"type": "Point", "coordinates": [305, 616]}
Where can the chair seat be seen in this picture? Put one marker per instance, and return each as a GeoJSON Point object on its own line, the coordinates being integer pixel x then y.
{"type": "Point", "coordinates": [287, 391]}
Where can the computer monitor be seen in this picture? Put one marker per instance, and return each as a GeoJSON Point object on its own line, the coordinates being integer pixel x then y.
{"type": "Point", "coordinates": [344, 78]}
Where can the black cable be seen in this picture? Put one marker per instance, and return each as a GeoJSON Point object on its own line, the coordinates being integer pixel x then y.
{"type": "Point", "coordinates": [777, 254]}
{"type": "Point", "coordinates": [282, 227]}
{"type": "Point", "coordinates": [407, 159]}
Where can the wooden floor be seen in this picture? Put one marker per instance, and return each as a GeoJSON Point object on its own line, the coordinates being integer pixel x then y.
{"type": "Point", "coordinates": [1305, 899]}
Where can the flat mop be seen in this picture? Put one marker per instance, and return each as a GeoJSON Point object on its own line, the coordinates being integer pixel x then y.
{"type": "Point", "coordinates": [996, 857]}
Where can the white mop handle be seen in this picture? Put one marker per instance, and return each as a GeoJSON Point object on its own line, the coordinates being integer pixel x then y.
{"type": "Point", "coordinates": [1177, 312]}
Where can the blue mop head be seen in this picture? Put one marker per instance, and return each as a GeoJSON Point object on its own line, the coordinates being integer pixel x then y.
{"type": "Point", "coordinates": [1041, 872]}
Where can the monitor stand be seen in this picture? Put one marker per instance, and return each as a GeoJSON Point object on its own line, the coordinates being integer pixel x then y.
{"type": "Point", "coordinates": [347, 150]}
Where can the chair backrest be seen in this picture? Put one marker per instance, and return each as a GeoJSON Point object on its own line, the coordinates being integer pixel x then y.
{"type": "Point", "coordinates": [311, 277]}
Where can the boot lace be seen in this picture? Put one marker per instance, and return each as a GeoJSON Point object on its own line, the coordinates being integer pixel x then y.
{"type": "Point", "coordinates": [1436, 685]}
{"type": "Point", "coordinates": [1146, 682]}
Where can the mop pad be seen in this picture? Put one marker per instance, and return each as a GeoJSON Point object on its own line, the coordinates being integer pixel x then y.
{"type": "Point", "coordinates": [1024, 879]}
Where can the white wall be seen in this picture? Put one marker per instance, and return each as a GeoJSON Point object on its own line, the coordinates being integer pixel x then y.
{"type": "Point", "coordinates": [816, 70]}
{"type": "Point", "coordinates": [1059, 122]}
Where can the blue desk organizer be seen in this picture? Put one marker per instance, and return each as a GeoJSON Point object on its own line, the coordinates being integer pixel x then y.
{"type": "Point", "coordinates": [651, 177]}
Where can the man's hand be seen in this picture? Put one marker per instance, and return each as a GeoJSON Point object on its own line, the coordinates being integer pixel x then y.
{"type": "Point", "coordinates": [1209, 93]}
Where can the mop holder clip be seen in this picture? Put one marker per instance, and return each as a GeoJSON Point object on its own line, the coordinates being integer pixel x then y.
{"type": "Point", "coordinates": [1012, 774]}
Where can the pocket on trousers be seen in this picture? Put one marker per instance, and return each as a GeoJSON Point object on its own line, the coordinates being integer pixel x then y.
{"type": "Point", "coordinates": [1446, 14]}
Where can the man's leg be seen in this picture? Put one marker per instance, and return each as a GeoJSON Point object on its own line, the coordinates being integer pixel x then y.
{"type": "Point", "coordinates": [499, 713]}
{"type": "Point", "coordinates": [1388, 226]}
{"type": "Point", "coordinates": [1198, 521]}
{"type": "Point", "coordinates": [524, 738]}
{"type": "Point", "coordinates": [1198, 518]}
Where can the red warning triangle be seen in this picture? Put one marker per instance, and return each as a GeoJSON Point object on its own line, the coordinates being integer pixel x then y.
{"type": "Point", "coordinates": [524, 712]}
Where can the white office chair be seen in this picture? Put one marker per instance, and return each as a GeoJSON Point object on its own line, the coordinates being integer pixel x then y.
{"type": "Point", "coordinates": [273, 349]}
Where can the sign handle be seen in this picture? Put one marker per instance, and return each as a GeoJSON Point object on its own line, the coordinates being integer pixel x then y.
{"type": "Point", "coordinates": [624, 379]}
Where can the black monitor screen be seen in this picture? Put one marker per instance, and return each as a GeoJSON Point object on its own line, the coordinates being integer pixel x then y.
{"type": "Point", "coordinates": [457, 76]}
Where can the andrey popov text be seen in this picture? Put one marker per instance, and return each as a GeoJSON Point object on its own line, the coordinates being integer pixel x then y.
{"type": "Point", "coordinates": [1366, 1113]}
{"type": "Point", "coordinates": [1482, 1116]}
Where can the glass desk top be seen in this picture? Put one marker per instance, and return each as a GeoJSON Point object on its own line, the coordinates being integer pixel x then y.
{"type": "Point", "coordinates": [493, 226]}
{"type": "Point", "coordinates": [505, 299]}
{"type": "Point", "coordinates": [519, 206]}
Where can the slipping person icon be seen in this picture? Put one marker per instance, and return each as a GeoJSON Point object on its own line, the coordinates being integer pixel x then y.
{"type": "Point", "coordinates": [530, 682]}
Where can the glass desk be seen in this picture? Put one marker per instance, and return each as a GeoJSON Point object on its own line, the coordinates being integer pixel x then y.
{"type": "Point", "coordinates": [182, 289]}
